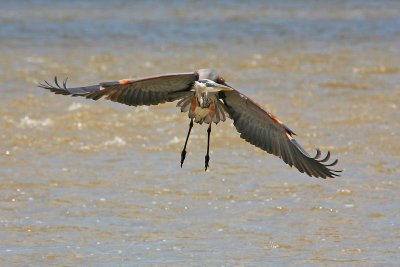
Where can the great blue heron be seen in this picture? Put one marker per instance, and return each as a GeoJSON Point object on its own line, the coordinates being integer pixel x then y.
{"type": "Point", "coordinates": [207, 98]}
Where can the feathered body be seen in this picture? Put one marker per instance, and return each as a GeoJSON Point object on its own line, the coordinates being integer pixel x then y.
{"type": "Point", "coordinates": [204, 105]}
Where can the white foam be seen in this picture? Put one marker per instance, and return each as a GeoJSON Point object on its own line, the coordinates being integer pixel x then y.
{"type": "Point", "coordinates": [32, 123]}
{"type": "Point", "coordinates": [117, 141]}
{"type": "Point", "coordinates": [74, 106]}
{"type": "Point", "coordinates": [174, 140]}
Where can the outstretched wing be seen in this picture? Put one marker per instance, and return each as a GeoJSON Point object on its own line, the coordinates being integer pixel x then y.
{"type": "Point", "coordinates": [260, 128]}
{"type": "Point", "coordinates": [133, 92]}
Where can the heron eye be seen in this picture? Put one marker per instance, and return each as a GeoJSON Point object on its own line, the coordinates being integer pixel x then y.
{"type": "Point", "coordinates": [220, 80]}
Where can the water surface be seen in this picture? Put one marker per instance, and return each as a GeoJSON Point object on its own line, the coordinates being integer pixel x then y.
{"type": "Point", "coordinates": [99, 184]}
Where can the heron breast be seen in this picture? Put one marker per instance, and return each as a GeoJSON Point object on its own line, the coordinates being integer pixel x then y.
{"type": "Point", "coordinates": [201, 112]}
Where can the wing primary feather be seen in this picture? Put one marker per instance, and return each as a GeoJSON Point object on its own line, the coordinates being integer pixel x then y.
{"type": "Point", "coordinates": [333, 163]}
{"type": "Point", "coordinates": [48, 84]}
{"type": "Point", "coordinates": [56, 82]}
{"type": "Point", "coordinates": [318, 154]}
{"type": "Point", "coordinates": [328, 155]}
{"type": "Point", "coordinates": [301, 165]}
{"type": "Point", "coordinates": [65, 83]}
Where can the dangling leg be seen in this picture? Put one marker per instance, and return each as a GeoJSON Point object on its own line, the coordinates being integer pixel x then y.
{"type": "Point", "coordinates": [183, 154]}
{"type": "Point", "coordinates": [207, 159]}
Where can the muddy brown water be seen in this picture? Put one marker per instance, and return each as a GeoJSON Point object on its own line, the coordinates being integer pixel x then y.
{"type": "Point", "coordinates": [86, 183]}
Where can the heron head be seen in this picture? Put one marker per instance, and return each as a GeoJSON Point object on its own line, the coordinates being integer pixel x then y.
{"type": "Point", "coordinates": [213, 86]}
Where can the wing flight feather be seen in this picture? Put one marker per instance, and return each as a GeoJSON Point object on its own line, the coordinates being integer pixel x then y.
{"type": "Point", "coordinates": [133, 92]}
{"type": "Point", "coordinates": [260, 128]}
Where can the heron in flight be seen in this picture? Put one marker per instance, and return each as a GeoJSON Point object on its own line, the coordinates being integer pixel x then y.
{"type": "Point", "coordinates": [207, 98]}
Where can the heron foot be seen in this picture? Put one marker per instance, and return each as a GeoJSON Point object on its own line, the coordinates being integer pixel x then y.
{"type": "Point", "coordinates": [207, 159]}
{"type": "Point", "coordinates": [183, 156]}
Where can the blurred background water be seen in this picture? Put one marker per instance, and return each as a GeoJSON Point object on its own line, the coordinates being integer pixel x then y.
{"type": "Point", "coordinates": [99, 184]}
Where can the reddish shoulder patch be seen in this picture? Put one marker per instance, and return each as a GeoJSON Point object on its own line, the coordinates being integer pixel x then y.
{"type": "Point", "coordinates": [274, 118]}
{"type": "Point", "coordinates": [124, 81]}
